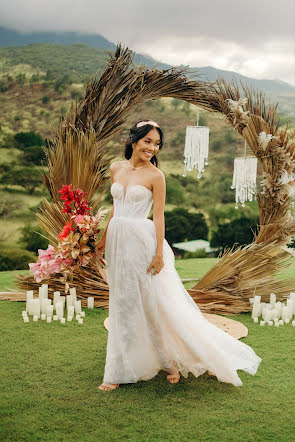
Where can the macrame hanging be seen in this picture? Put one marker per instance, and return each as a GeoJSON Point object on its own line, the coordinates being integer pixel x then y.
{"type": "Point", "coordinates": [196, 149]}
{"type": "Point", "coordinates": [244, 179]}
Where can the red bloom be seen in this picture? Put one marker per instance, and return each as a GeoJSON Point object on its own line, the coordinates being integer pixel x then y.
{"type": "Point", "coordinates": [66, 230]}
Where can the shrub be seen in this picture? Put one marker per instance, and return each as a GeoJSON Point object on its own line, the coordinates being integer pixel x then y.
{"type": "Point", "coordinates": [27, 139]}
{"type": "Point", "coordinates": [31, 238]}
{"type": "Point", "coordinates": [45, 99]}
{"type": "Point", "coordinates": [33, 154]}
{"type": "Point", "coordinates": [201, 253]}
{"type": "Point", "coordinates": [15, 259]}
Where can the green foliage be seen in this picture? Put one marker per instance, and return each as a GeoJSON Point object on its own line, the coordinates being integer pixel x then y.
{"type": "Point", "coordinates": [76, 94]}
{"type": "Point", "coordinates": [62, 83]}
{"type": "Point", "coordinates": [15, 259]}
{"type": "Point", "coordinates": [236, 232]}
{"type": "Point", "coordinates": [26, 139]}
{"type": "Point", "coordinates": [27, 177]}
{"type": "Point", "coordinates": [179, 138]}
{"type": "Point", "coordinates": [186, 108]}
{"type": "Point", "coordinates": [182, 225]}
{"type": "Point", "coordinates": [229, 136]}
{"type": "Point", "coordinates": [175, 102]}
{"type": "Point", "coordinates": [21, 78]}
{"type": "Point", "coordinates": [174, 193]}
{"type": "Point", "coordinates": [31, 238]}
{"type": "Point", "coordinates": [45, 99]}
{"type": "Point", "coordinates": [201, 253]}
{"type": "Point", "coordinates": [202, 120]}
{"type": "Point", "coordinates": [8, 204]}
{"type": "Point", "coordinates": [33, 155]}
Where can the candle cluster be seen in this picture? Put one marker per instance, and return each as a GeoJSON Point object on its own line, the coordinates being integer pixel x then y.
{"type": "Point", "coordinates": [275, 312]}
{"type": "Point", "coordinates": [62, 308]}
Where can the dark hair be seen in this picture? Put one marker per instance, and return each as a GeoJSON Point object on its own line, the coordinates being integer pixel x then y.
{"type": "Point", "coordinates": [136, 133]}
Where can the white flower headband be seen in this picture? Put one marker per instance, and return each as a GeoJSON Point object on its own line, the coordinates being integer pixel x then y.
{"type": "Point", "coordinates": [143, 123]}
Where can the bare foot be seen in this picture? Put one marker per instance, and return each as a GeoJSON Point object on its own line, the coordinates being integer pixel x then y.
{"type": "Point", "coordinates": [106, 386]}
{"type": "Point", "coordinates": [173, 377]}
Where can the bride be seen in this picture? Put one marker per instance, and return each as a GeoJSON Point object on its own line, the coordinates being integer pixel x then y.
{"type": "Point", "coordinates": [154, 324]}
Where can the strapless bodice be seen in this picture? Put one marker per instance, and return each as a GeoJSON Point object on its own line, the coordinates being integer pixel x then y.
{"type": "Point", "coordinates": [134, 202]}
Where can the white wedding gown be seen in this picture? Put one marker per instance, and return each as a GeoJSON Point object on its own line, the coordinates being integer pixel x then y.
{"type": "Point", "coordinates": [154, 324]}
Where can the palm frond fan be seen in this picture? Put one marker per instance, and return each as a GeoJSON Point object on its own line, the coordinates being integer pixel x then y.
{"type": "Point", "coordinates": [244, 178]}
{"type": "Point", "coordinates": [196, 149]}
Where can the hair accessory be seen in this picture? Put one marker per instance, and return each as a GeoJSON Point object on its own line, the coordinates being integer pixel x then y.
{"type": "Point", "coordinates": [143, 123]}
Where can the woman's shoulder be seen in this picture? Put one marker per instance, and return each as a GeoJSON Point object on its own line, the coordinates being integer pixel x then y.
{"type": "Point", "coordinates": [117, 164]}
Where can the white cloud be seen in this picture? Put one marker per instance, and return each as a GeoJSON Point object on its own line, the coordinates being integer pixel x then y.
{"type": "Point", "coordinates": [255, 38]}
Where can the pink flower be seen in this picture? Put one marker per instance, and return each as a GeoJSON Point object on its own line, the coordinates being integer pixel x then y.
{"type": "Point", "coordinates": [46, 264]}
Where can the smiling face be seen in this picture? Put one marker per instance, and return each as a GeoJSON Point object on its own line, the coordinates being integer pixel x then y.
{"type": "Point", "coordinates": [147, 146]}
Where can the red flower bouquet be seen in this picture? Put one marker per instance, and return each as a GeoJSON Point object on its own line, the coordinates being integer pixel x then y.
{"type": "Point", "coordinates": [76, 241]}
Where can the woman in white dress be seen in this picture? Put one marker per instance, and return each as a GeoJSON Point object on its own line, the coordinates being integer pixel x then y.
{"type": "Point", "coordinates": [154, 324]}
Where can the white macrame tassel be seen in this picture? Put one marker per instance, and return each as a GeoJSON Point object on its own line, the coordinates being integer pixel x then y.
{"type": "Point", "coordinates": [244, 179]}
{"type": "Point", "coordinates": [196, 149]}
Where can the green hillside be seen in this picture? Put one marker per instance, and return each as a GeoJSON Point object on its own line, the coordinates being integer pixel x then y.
{"type": "Point", "coordinates": [36, 91]}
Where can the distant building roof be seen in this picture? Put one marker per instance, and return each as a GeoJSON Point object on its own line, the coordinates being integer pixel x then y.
{"type": "Point", "coordinates": [193, 246]}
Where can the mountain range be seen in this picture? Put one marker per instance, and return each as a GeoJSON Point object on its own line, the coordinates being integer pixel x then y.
{"type": "Point", "coordinates": [13, 38]}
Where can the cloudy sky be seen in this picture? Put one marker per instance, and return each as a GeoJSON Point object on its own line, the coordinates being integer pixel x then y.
{"type": "Point", "coordinates": [255, 38]}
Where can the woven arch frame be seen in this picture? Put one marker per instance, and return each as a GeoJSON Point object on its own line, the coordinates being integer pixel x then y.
{"type": "Point", "coordinates": [78, 155]}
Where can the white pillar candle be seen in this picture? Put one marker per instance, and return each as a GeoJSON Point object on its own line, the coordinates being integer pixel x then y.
{"type": "Point", "coordinates": [49, 310]}
{"type": "Point", "coordinates": [24, 313]}
{"type": "Point", "coordinates": [55, 318]}
{"type": "Point", "coordinates": [281, 322]}
{"type": "Point", "coordinates": [35, 307]}
{"type": "Point", "coordinates": [44, 305]}
{"type": "Point", "coordinates": [285, 312]}
{"type": "Point", "coordinates": [78, 307]}
{"type": "Point", "coordinates": [45, 290]}
{"type": "Point", "coordinates": [56, 296]}
{"type": "Point", "coordinates": [270, 322]}
{"type": "Point", "coordinates": [82, 314]}
{"type": "Point", "coordinates": [73, 293]}
{"type": "Point", "coordinates": [59, 309]}
{"type": "Point", "coordinates": [267, 315]}
{"type": "Point", "coordinates": [90, 302]}
{"type": "Point", "coordinates": [49, 318]}
{"type": "Point", "coordinates": [71, 310]}
{"type": "Point", "coordinates": [290, 307]}
{"type": "Point", "coordinates": [272, 299]}
{"type": "Point", "coordinates": [262, 323]}
{"type": "Point", "coordinates": [277, 324]}
{"type": "Point", "coordinates": [293, 323]}
{"type": "Point", "coordinates": [69, 318]}
{"type": "Point", "coordinates": [255, 320]}
{"type": "Point", "coordinates": [26, 319]}
{"type": "Point", "coordinates": [287, 320]}
{"type": "Point", "coordinates": [62, 320]}
{"type": "Point", "coordinates": [78, 317]}
{"type": "Point", "coordinates": [30, 296]}
{"type": "Point", "coordinates": [43, 316]}
{"type": "Point", "coordinates": [80, 321]}
{"type": "Point", "coordinates": [69, 301]}
{"type": "Point", "coordinates": [63, 300]}
{"type": "Point", "coordinates": [255, 310]}
{"type": "Point", "coordinates": [35, 318]}
{"type": "Point", "coordinates": [257, 298]}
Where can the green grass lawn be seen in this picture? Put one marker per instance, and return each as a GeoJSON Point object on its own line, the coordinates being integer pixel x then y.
{"type": "Point", "coordinates": [50, 374]}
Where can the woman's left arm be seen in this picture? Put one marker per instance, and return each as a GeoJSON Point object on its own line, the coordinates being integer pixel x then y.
{"type": "Point", "coordinates": [159, 194]}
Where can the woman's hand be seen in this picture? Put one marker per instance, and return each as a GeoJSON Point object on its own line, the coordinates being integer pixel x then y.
{"type": "Point", "coordinates": [100, 246]}
{"type": "Point", "coordinates": [157, 264]}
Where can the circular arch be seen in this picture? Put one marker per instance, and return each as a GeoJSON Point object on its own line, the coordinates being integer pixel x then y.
{"type": "Point", "coordinates": [78, 154]}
